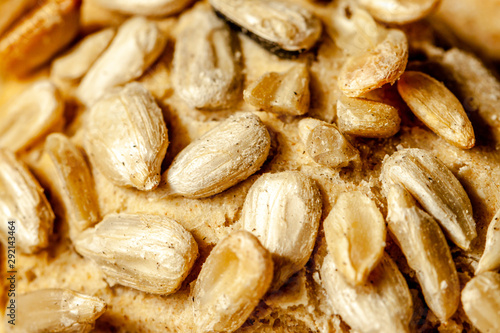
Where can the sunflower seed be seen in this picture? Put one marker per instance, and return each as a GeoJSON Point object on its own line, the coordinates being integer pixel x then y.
{"type": "Point", "coordinates": [146, 8]}
{"type": "Point", "coordinates": [30, 115]}
{"type": "Point", "coordinates": [22, 199]}
{"type": "Point", "coordinates": [206, 71]}
{"type": "Point", "coordinates": [490, 260]}
{"type": "Point", "coordinates": [436, 189]}
{"type": "Point", "coordinates": [283, 28]}
{"type": "Point", "coordinates": [399, 12]}
{"type": "Point", "coordinates": [221, 158]}
{"type": "Point", "coordinates": [283, 211]}
{"type": "Point", "coordinates": [425, 247]}
{"type": "Point", "coordinates": [233, 279]}
{"type": "Point", "coordinates": [146, 252]}
{"type": "Point", "coordinates": [137, 44]}
{"type": "Point", "coordinates": [127, 137]}
{"type": "Point", "coordinates": [355, 234]}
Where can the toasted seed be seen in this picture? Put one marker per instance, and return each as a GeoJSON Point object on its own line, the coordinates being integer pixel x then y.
{"type": "Point", "coordinates": [30, 115]}
{"type": "Point", "coordinates": [75, 181]}
{"type": "Point", "coordinates": [57, 311]}
{"type": "Point", "coordinates": [206, 71]}
{"type": "Point", "coordinates": [233, 279]}
{"type": "Point", "coordinates": [283, 211]}
{"type": "Point", "coordinates": [355, 234]}
{"type": "Point", "coordinates": [146, 8]}
{"type": "Point", "coordinates": [436, 189]}
{"type": "Point", "coordinates": [127, 137]}
{"type": "Point", "coordinates": [490, 260]}
{"type": "Point", "coordinates": [43, 32]}
{"type": "Point", "coordinates": [437, 107]}
{"type": "Point", "coordinates": [283, 28]}
{"type": "Point", "coordinates": [286, 93]}
{"type": "Point", "coordinates": [11, 10]}
{"type": "Point", "coordinates": [399, 12]}
{"type": "Point", "coordinates": [481, 301]}
{"type": "Point", "coordinates": [150, 253]}
{"type": "Point", "coordinates": [384, 63]}
{"type": "Point", "coordinates": [221, 158]}
{"type": "Point", "coordinates": [137, 44]}
{"type": "Point", "coordinates": [425, 247]}
{"type": "Point", "coordinates": [383, 304]}
{"type": "Point", "coordinates": [365, 118]}
{"type": "Point", "coordinates": [325, 144]}
{"type": "Point", "coordinates": [72, 66]}
{"type": "Point", "coordinates": [22, 199]}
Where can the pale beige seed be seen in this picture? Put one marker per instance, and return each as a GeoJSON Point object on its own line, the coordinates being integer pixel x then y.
{"type": "Point", "coordinates": [326, 145]}
{"type": "Point", "coordinates": [30, 115]}
{"type": "Point", "coordinates": [22, 200]}
{"type": "Point", "coordinates": [426, 250]}
{"type": "Point", "coordinates": [221, 158]}
{"type": "Point", "coordinates": [126, 137]}
{"type": "Point", "coordinates": [355, 235]}
{"type": "Point", "coordinates": [366, 118]}
{"type": "Point", "coordinates": [56, 311]}
{"type": "Point", "coordinates": [437, 108]}
{"type": "Point", "coordinates": [283, 210]}
{"type": "Point", "coordinates": [277, 24]}
{"type": "Point", "coordinates": [11, 10]}
{"type": "Point", "coordinates": [206, 68]}
{"type": "Point", "coordinates": [73, 65]}
{"type": "Point", "coordinates": [39, 35]}
{"type": "Point", "coordinates": [286, 93]}
{"type": "Point", "coordinates": [490, 259]}
{"type": "Point", "coordinates": [75, 182]}
{"type": "Point", "coordinates": [383, 304]}
{"type": "Point", "coordinates": [399, 11]}
{"type": "Point", "coordinates": [233, 279]}
{"type": "Point", "coordinates": [436, 189]}
{"type": "Point", "coordinates": [381, 64]}
{"type": "Point", "coordinates": [137, 44]}
{"type": "Point", "coordinates": [150, 253]}
{"type": "Point", "coordinates": [481, 301]}
{"type": "Point", "coordinates": [146, 8]}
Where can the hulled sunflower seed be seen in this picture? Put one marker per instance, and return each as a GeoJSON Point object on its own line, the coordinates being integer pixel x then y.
{"type": "Point", "coordinates": [11, 10]}
{"type": "Point", "coordinates": [437, 108]}
{"type": "Point", "coordinates": [436, 189]}
{"type": "Point", "coordinates": [233, 279]}
{"type": "Point", "coordinates": [206, 70]}
{"type": "Point", "coordinates": [283, 211]}
{"type": "Point", "coordinates": [146, 8]}
{"type": "Point", "coordinates": [481, 301]}
{"type": "Point", "coordinates": [399, 12]}
{"type": "Point", "coordinates": [383, 304]}
{"type": "Point", "coordinates": [39, 35]}
{"type": "Point", "coordinates": [57, 311]}
{"type": "Point", "coordinates": [72, 66]}
{"type": "Point", "coordinates": [75, 182]}
{"type": "Point", "coordinates": [22, 199]}
{"type": "Point", "coordinates": [221, 158]}
{"type": "Point", "coordinates": [425, 247]}
{"type": "Point", "coordinates": [381, 64]}
{"type": "Point", "coordinates": [490, 259]}
{"type": "Point", "coordinates": [137, 44]}
{"type": "Point", "coordinates": [365, 118]}
{"type": "Point", "coordinates": [326, 145]}
{"type": "Point", "coordinates": [283, 28]}
{"type": "Point", "coordinates": [126, 137]}
{"type": "Point", "coordinates": [355, 234]}
{"type": "Point", "coordinates": [285, 93]}
{"type": "Point", "coordinates": [146, 252]}
{"type": "Point", "coordinates": [30, 115]}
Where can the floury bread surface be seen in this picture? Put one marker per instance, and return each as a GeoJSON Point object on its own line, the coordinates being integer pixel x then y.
{"type": "Point", "coordinates": [301, 304]}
